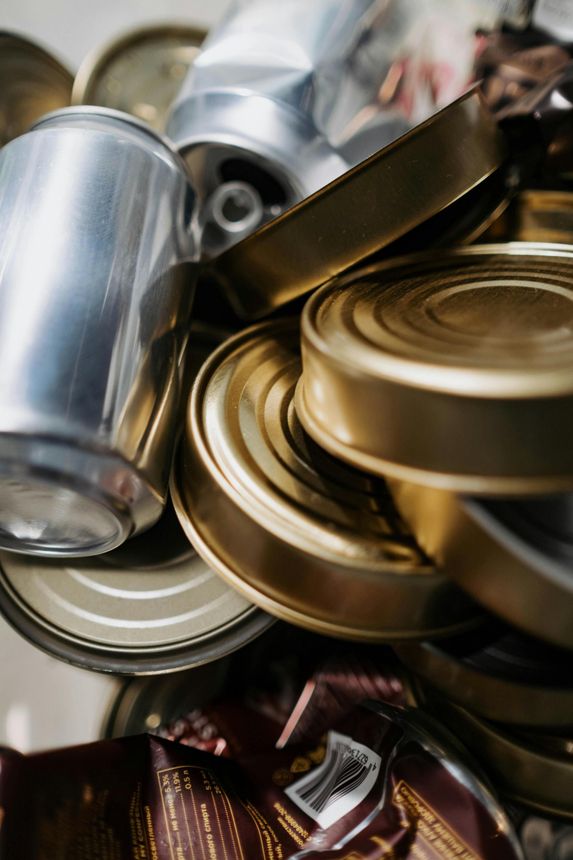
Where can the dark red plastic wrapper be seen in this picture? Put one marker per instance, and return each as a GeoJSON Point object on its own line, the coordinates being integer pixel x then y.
{"type": "Point", "coordinates": [376, 787]}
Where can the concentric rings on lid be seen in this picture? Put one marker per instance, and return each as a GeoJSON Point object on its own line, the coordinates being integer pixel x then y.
{"type": "Point", "coordinates": [134, 620]}
{"type": "Point", "coordinates": [140, 72]}
{"type": "Point", "coordinates": [452, 370]}
{"type": "Point", "coordinates": [299, 533]}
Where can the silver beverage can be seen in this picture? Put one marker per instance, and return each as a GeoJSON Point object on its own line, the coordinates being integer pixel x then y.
{"type": "Point", "coordinates": [96, 239]}
{"type": "Point", "coordinates": [285, 97]}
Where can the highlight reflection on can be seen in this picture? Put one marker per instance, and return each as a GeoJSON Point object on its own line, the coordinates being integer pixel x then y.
{"type": "Point", "coordinates": [95, 293]}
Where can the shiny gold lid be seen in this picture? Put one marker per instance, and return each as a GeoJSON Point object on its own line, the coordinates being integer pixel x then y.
{"type": "Point", "coordinates": [33, 83]}
{"type": "Point", "coordinates": [385, 197]}
{"type": "Point", "coordinates": [535, 215]}
{"type": "Point", "coordinates": [522, 770]}
{"type": "Point", "coordinates": [450, 369]}
{"type": "Point", "coordinates": [141, 72]}
{"type": "Point", "coordinates": [302, 535]}
{"type": "Point", "coordinates": [513, 557]}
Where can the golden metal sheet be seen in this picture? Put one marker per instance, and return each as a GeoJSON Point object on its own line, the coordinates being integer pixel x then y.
{"type": "Point", "coordinates": [300, 534]}
{"type": "Point", "coordinates": [365, 210]}
{"type": "Point", "coordinates": [523, 772]}
{"type": "Point", "coordinates": [33, 83]}
{"type": "Point", "coordinates": [451, 369]}
{"type": "Point", "coordinates": [504, 553]}
{"type": "Point", "coordinates": [499, 674]}
{"type": "Point", "coordinates": [535, 216]}
{"type": "Point", "coordinates": [141, 72]}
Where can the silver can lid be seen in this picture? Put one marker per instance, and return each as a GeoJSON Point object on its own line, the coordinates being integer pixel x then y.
{"type": "Point", "coordinates": [139, 620]}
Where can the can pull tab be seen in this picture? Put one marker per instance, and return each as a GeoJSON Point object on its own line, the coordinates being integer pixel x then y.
{"type": "Point", "coordinates": [540, 127]}
{"type": "Point", "coordinates": [233, 210]}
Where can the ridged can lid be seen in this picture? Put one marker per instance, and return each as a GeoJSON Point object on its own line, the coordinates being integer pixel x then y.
{"type": "Point", "coordinates": [448, 369]}
{"type": "Point", "coordinates": [151, 609]}
{"type": "Point", "coordinates": [302, 535]}
{"type": "Point", "coordinates": [140, 72]}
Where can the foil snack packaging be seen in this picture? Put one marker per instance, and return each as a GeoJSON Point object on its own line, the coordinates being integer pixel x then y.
{"type": "Point", "coordinates": [376, 787]}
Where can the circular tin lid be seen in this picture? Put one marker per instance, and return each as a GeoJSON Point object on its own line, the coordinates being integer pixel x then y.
{"type": "Point", "coordinates": [478, 341]}
{"type": "Point", "coordinates": [396, 190]}
{"type": "Point", "coordinates": [134, 620]}
{"type": "Point", "coordinates": [499, 674]}
{"type": "Point", "coordinates": [304, 536]}
{"type": "Point", "coordinates": [523, 771]}
{"type": "Point", "coordinates": [535, 215]}
{"type": "Point", "coordinates": [140, 72]}
{"type": "Point", "coordinates": [33, 83]}
{"type": "Point", "coordinates": [514, 557]}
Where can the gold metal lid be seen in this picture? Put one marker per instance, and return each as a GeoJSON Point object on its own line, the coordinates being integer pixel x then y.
{"type": "Point", "coordinates": [300, 534]}
{"type": "Point", "coordinates": [385, 197]}
{"type": "Point", "coordinates": [141, 72]}
{"type": "Point", "coordinates": [33, 83]}
{"type": "Point", "coordinates": [513, 557]}
{"type": "Point", "coordinates": [522, 771]}
{"type": "Point", "coordinates": [498, 673]}
{"type": "Point", "coordinates": [535, 216]}
{"type": "Point", "coordinates": [450, 369]}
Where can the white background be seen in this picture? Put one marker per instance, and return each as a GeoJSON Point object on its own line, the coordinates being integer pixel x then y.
{"type": "Point", "coordinates": [71, 28]}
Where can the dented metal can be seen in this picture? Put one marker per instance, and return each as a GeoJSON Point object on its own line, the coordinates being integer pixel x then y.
{"type": "Point", "coordinates": [286, 97]}
{"type": "Point", "coordinates": [95, 296]}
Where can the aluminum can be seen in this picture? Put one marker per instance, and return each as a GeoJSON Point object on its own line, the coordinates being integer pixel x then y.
{"type": "Point", "coordinates": [285, 97]}
{"type": "Point", "coordinates": [96, 237]}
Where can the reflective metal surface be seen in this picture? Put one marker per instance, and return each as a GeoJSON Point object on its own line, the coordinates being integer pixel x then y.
{"type": "Point", "coordinates": [522, 772]}
{"type": "Point", "coordinates": [140, 72]}
{"type": "Point", "coordinates": [381, 200]}
{"type": "Point", "coordinates": [507, 559]}
{"type": "Point", "coordinates": [123, 614]}
{"type": "Point", "coordinates": [33, 83]}
{"type": "Point", "coordinates": [95, 298]}
{"type": "Point", "coordinates": [535, 216]}
{"type": "Point", "coordinates": [300, 534]}
{"type": "Point", "coordinates": [499, 674]}
{"type": "Point", "coordinates": [288, 96]}
{"type": "Point", "coordinates": [478, 341]}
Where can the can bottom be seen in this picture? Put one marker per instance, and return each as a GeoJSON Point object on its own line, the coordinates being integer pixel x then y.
{"type": "Point", "coordinates": [44, 517]}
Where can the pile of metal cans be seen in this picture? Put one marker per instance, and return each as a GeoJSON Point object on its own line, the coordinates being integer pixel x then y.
{"type": "Point", "coordinates": [387, 457]}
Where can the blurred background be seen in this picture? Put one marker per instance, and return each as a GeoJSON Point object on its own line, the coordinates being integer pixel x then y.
{"type": "Point", "coordinates": [71, 30]}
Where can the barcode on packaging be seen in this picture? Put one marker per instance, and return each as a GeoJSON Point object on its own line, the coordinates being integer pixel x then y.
{"type": "Point", "coordinates": [339, 784]}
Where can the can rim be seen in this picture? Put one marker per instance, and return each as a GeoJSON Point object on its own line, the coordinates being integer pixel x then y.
{"type": "Point", "coordinates": [152, 660]}
{"type": "Point", "coordinates": [117, 116]}
{"type": "Point", "coordinates": [97, 59]}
